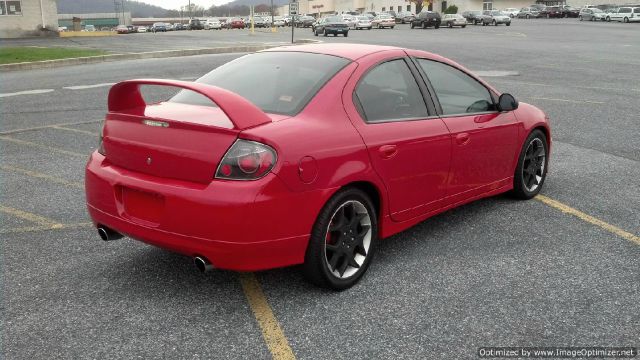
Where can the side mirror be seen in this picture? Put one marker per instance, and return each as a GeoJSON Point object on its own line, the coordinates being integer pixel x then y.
{"type": "Point", "coordinates": [507, 102]}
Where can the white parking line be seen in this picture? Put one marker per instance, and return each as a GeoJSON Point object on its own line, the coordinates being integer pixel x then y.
{"type": "Point", "coordinates": [27, 92]}
{"type": "Point", "coordinates": [81, 87]}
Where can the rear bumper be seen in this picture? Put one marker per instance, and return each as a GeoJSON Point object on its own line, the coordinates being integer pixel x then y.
{"type": "Point", "coordinates": [246, 226]}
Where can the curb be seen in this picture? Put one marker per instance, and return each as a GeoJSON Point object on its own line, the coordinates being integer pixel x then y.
{"type": "Point", "coordinates": [49, 64]}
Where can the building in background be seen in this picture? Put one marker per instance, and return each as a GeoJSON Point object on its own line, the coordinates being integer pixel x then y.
{"type": "Point", "coordinates": [99, 20]}
{"type": "Point", "coordinates": [24, 18]}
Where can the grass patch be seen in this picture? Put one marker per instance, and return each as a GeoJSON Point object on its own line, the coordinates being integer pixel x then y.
{"type": "Point", "coordinates": [10, 55]}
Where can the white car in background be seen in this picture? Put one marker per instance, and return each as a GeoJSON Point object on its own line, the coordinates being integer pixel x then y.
{"type": "Point", "coordinates": [513, 12]}
{"type": "Point", "coordinates": [278, 21]}
{"type": "Point", "coordinates": [625, 14]}
{"type": "Point", "coordinates": [350, 20]}
{"type": "Point", "coordinates": [212, 24]}
{"type": "Point", "coordinates": [363, 22]}
{"type": "Point", "coordinates": [141, 29]}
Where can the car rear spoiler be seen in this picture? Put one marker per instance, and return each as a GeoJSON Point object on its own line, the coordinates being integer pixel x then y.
{"type": "Point", "coordinates": [242, 113]}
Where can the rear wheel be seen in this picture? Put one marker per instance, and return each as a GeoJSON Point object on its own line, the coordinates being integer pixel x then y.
{"type": "Point", "coordinates": [532, 166]}
{"type": "Point", "coordinates": [450, 24]}
{"type": "Point", "coordinates": [528, 17]}
{"type": "Point", "coordinates": [324, 32]}
{"type": "Point", "coordinates": [580, 17]}
{"type": "Point", "coordinates": [495, 23]}
{"type": "Point", "coordinates": [346, 34]}
{"type": "Point", "coordinates": [343, 240]}
{"type": "Point", "coordinates": [413, 25]}
{"type": "Point", "coordinates": [625, 20]}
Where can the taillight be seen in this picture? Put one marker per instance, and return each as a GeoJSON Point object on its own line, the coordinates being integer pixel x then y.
{"type": "Point", "coordinates": [246, 160]}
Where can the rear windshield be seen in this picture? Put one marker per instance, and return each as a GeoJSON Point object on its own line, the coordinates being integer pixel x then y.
{"type": "Point", "coordinates": [276, 82]}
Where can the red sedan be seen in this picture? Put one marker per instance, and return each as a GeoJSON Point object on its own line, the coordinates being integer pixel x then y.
{"type": "Point", "coordinates": [235, 23]}
{"type": "Point", "coordinates": [339, 146]}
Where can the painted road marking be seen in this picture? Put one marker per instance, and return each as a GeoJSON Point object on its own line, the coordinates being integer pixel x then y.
{"type": "Point", "coordinates": [9, 132]}
{"type": "Point", "coordinates": [75, 130]}
{"type": "Point", "coordinates": [38, 175]}
{"type": "Point", "coordinates": [569, 101]}
{"type": "Point", "coordinates": [26, 92]}
{"type": "Point", "coordinates": [40, 220]}
{"type": "Point", "coordinates": [29, 143]}
{"type": "Point", "coordinates": [25, 229]}
{"type": "Point", "coordinates": [588, 218]}
{"type": "Point", "coordinates": [271, 330]}
{"type": "Point", "coordinates": [82, 87]}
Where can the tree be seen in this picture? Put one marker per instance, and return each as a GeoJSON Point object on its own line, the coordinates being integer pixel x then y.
{"type": "Point", "coordinates": [420, 4]}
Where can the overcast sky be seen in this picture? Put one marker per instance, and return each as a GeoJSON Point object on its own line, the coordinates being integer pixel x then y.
{"type": "Point", "coordinates": [175, 4]}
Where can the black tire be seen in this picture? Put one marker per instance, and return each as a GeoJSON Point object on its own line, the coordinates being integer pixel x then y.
{"type": "Point", "coordinates": [520, 189]}
{"type": "Point", "coordinates": [324, 32]}
{"type": "Point", "coordinates": [625, 20]}
{"type": "Point", "coordinates": [413, 25]}
{"type": "Point", "coordinates": [437, 26]}
{"type": "Point", "coordinates": [464, 26]}
{"type": "Point", "coordinates": [495, 23]}
{"type": "Point", "coordinates": [315, 32]}
{"type": "Point", "coordinates": [528, 17]}
{"type": "Point", "coordinates": [580, 17]}
{"type": "Point", "coordinates": [450, 24]}
{"type": "Point", "coordinates": [346, 34]}
{"type": "Point", "coordinates": [316, 265]}
{"type": "Point", "coordinates": [508, 24]}
{"type": "Point", "coordinates": [424, 25]}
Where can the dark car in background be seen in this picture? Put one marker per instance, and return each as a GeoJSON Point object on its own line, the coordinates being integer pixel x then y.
{"type": "Point", "coordinates": [427, 19]}
{"type": "Point", "coordinates": [473, 16]}
{"type": "Point", "coordinates": [554, 12]}
{"type": "Point", "coordinates": [330, 25]}
{"type": "Point", "coordinates": [159, 27]}
{"type": "Point", "coordinates": [570, 11]}
{"type": "Point", "coordinates": [195, 24]}
{"type": "Point", "coordinates": [304, 21]}
{"type": "Point", "coordinates": [405, 17]}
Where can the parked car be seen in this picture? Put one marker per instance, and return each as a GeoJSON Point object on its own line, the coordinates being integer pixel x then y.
{"type": "Point", "coordinates": [196, 24]}
{"type": "Point", "coordinates": [427, 19]}
{"type": "Point", "coordinates": [513, 12]}
{"type": "Point", "coordinates": [212, 24]}
{"type": "Point", "coordinates": [554, 12]}
{"type": "Point", "coordinates": [179, 26]}
{"type": "Point", "coordinates": [592, 14]}
{"type": "Point", "coordinates": [570, 11]}
{"type": "Point", "coordinates": [538, 7]}
{"type": "Point", "coordinates": [473, 16]}
{"type": "Point", "coordinates": [349, 19]}
{"type": "Point", "coordinates": [451, 20]}
{"type": "Point", "coordinates": [405, 17]}
{"type": "Point", "coordinates": [304, 21]}
{"type": "Point", "coordinates": [495, 17]}
{"type": "Point", "coordinates": [626, 14]}
{"type": "Point", "coordinates": [141, 29]}
{"type": "Point", "coordinates": [363, 22]}
{"type": "Point", "coordinates": [237, 23]}
{"type": "Point", "coordinates": [330, 25]}
{"type": "Point", "coordinates": [278, 21]}
{"type": "Point", "coordinates": [89, 28]}
{"type": "Point", "coordinates": [159, 27]}
{"type": "Point", "coordinates": [528, 13]}
{"type": "Point", "coordinates": [218, 190]}
{"type": "Point", "coordinates": [383, 20]}
{"type": "Point", "coordinates": [122, 29]}
{"type": "Point", "coordinates": [287, 20]}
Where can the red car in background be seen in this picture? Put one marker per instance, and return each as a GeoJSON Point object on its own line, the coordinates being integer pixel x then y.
{"type": "Point", "coordinates": [355, 143]}
{"type": "Point", "coordinates": [235, 23]}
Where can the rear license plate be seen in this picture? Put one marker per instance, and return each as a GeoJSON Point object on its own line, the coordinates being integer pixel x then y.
{"type": "Point", "coordinates": [142, 205]}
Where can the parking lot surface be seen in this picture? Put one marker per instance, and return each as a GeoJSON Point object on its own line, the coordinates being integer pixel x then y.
{"type": "Point", "coordinates": [561, 270]}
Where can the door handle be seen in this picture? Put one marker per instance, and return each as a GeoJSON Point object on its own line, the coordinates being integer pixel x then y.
{"type": "Point", "coordinates": [462, 139]}
{"type": "Point", "coordinates": [388, 151]}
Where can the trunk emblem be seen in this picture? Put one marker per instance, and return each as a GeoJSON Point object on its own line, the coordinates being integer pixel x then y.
{"type": "Point", "coordinates": [155, 123]}
{"type": "Point", "coordinates": [149, 161]}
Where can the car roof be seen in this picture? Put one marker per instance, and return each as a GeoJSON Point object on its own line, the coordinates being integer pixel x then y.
{"type": "Point", "coordinates": [348, 51]}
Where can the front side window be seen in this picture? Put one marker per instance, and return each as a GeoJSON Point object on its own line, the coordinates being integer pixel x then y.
{"type": "Point", "coordinates": [276, 82]}
{"type": "Point", "coordinates": [390, 92]}
{"type": "Point", "coordinates": [10, 8]}
{"type": "Point", "coordinates": [457, 92]}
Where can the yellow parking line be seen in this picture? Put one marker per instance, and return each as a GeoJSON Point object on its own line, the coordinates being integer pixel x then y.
{"type": "Point", "coordinates": [40, 220]}
{"type": "Point", "coordinates": [38, 175]}
{"type": "Point", "coordinates": [57, 127]}
{"type": "Point", "coordinates": [44, 228]}
{"type": "Point", "coordinates": [271, 330]}
{"type": "Point", "coordinates": [47, 126]}
{"type": "Point", "coordinates": [46, 147]}
{"type": "Point", "coordinates": [588, 218]}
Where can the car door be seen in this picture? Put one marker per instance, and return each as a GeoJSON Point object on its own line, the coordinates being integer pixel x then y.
{"type": "Point", "coordinates": [408, 144]}
{"type": "Point", "coordinates": [484, 141]}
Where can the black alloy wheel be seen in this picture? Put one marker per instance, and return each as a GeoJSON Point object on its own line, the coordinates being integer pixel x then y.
{"type": "Point", "coordinates": [532, 166]}
{"type": "Point", "coordinates": [343, 240]}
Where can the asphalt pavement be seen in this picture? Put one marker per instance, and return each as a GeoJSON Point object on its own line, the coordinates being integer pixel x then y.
{"type": "Point", "coordinates": [497, 272]}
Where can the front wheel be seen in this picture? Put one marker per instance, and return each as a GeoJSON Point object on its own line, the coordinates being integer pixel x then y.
{"type": "Point", "coordinates": [625, 20]}
{"type": "Point", "coordinates": [413, 25]}
{"type": "Point", "coordinates": [580, 17]}
{"type": "Point", "coordinates": [343, 240]}
{"type": "Point", "coordinates": [346, 34]}
{"type": "Point", "coordinates": [532, 166]}
{"type": "Point", "coordinates": [509, 23]}
{"type": "Point", "coordinates": [450, 25]}
{"type": "Point", "coordinates": [495, 23]}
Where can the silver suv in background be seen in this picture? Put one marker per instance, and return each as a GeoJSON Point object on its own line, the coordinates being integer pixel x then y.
{"type": "Point", "coordinates": [625, 14]}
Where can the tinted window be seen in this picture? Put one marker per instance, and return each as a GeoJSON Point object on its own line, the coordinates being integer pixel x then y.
{"type": "Point", "coordinates": [390, 92]}
{"type": "Point", "coordinates": [636, 10]}
{"type": "Point", "coordinates": [287, 80]}
{"type": "Point", "coordinates": [625, 10]}
{"type": "Point", "coordinates": [457, 92]}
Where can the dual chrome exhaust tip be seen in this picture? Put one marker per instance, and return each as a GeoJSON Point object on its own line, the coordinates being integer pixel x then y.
{"type": "Point", "coordinates": [108, 234]}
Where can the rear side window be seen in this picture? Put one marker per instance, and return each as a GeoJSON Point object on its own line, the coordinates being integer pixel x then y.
{"type": "Point", "coordinates": [390, 92]}
{"type": "Point", "coordinates": [636, 11]}
{"type": "Point", "coordinates": [457, 92]}
{"type": "Point", "coordinates": [276, 82]}
{"type": "Point", "coordinates": [624, 10]}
